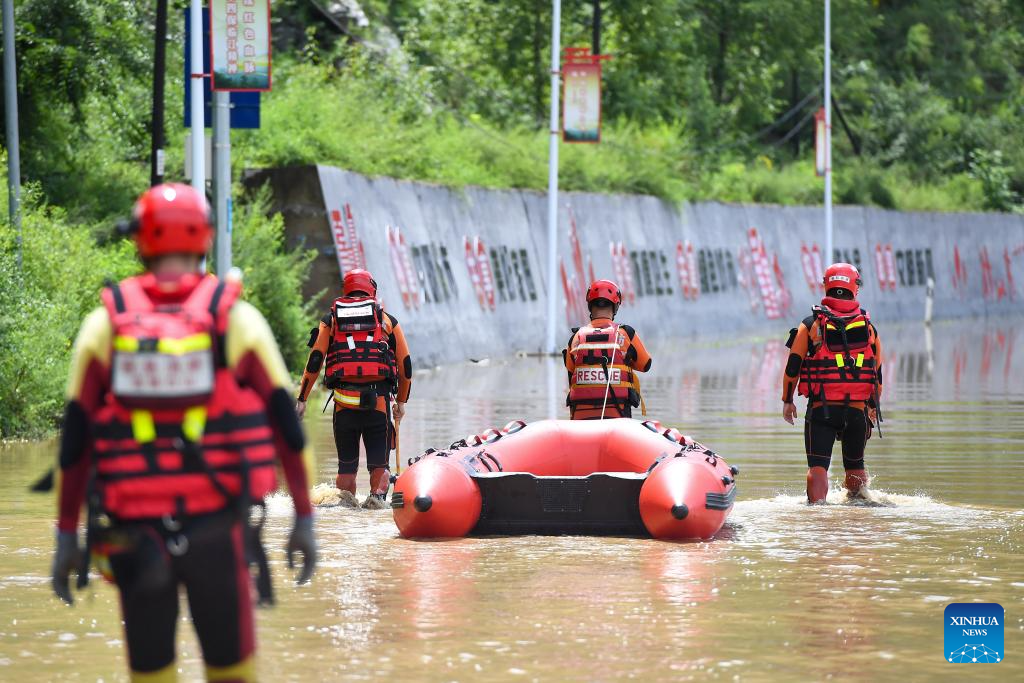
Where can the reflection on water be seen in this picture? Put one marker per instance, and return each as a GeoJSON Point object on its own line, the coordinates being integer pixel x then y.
{"type": "Point", "coordinates": [786, 592]}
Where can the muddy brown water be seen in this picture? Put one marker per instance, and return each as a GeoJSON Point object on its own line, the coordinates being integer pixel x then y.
{"type": "Point", "coordinates": [785, 592]}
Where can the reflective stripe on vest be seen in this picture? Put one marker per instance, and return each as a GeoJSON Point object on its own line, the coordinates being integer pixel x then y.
{"type": "Point", "coordinates": [838, 373]}
{"type": "Point", "coordinates": [151, 478]}
{"type": "Point", "coordinates": [347, 397]}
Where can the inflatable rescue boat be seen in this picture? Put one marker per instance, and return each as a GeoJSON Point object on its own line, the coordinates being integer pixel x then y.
{"type": "Point", "coordinates": [602, 477]}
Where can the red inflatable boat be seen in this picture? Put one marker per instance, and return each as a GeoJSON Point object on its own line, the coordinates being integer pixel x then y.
{"type": "Point", "coordinates": [609, 477]}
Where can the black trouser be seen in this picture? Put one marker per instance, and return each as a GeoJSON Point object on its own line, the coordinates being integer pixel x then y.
{"type": "Point", "coordinates": [372, 426]}
{"type": "Point", "coordinates": [846, 424]}
{"type": "Point", "coordinates": [214, 573]}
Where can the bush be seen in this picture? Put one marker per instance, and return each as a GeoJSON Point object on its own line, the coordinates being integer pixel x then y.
{"type": "Point", "coordinates": [42, 305]}
{"type": "Point", "coordinates": [41, 308]}
{"type": "Point", "coordinates": [864, 185]}
{"type": "Point", "coordinates": [382, 121]}
{"type": "Point", "coordinates": [273, 278]}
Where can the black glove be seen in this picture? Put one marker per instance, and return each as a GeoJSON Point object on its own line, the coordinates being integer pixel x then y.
{"type": "Point", "coordinates": [65, 558]}
{"type": "Point", "coordinates": [302, 540]}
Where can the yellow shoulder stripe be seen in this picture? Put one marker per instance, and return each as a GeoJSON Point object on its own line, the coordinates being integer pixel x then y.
{"type": "Point", "coordinates": [248, 331]}
{"type": "Point", "coordinates": [93, 342]}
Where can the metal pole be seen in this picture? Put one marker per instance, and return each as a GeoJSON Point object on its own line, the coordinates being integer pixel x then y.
{"type": "Point", "coordinates": [550, 371]}
{"type": "Point", "coordinates": [11, 110]}
{"type": "Point", "coordinates": [829, 256]}
{"type": "Point", "coordinates": [156, 170]}
{"type": "Point", "coordinates": [222, 179]}
{"type": "Point", "coordinates": [196, 103]}
{"type": "Point", "coordinates": [556, 21]}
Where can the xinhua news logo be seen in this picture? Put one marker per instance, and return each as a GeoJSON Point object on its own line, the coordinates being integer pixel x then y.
{"type": "Point", "coordinates": [974, 633]}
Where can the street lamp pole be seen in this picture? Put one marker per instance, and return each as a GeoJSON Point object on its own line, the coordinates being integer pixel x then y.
{"type": "Point", "coordinates": [11, 102]}
{"type": "Point", "coordinates": [196, 102]}
{"type": "Point", "coordinates": [556, 21]}
{"type": "Point", "coordinates": [829, 257]}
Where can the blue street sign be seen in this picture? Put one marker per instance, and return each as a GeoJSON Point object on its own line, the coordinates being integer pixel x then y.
{"type": "Point", "coordinates": [245, 106]}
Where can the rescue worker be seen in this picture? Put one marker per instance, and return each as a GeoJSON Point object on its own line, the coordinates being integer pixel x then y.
{"type": "Point", "coordinates": [602, 359]}
{"type": "Point", "coordinates": [835, 360]}
{"type": "Point", "coordinates": [177, 408]}
{"type": "Point", "coordinates": [366, 364]}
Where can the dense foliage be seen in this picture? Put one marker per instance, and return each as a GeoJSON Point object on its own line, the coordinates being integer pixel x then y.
{"type": "Point", "coordinates": [930, 92]}
{"type": "Point", "coordinates": [273, 278]}
{"type": "Point", "coordinates": [42, 304]}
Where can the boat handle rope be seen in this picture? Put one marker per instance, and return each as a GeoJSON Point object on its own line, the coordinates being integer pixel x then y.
{"type": "Point", "coordinates": [650, 425]}
{"type": "Point", "coordinates": [658, 460]}
{"type": "Point", "coordinates": [429, 451]}
{"type": "Point", "coordinates": [513, 426]}
{"type": "Point", "coordinates": [468, 461]}
{"type": "Point", "coordinates": [493, 459]}
{"type": "Point", "coordinates": [496, 434]}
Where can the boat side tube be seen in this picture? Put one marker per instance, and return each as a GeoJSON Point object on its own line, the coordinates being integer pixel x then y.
{"type": "Point", "coordinates": [688, 495]}
{"type": "Point", "coordinates": [436, 499]}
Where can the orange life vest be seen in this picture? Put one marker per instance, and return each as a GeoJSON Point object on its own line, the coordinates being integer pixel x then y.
{"type": "Point", "coordinates": [841, 367]}
{"type": "Point", "coordinates": [176, 435]}
{"type": "Point", "coordinates": [589, 384]}
{"type": "Point", "coordinates": [359, 351]}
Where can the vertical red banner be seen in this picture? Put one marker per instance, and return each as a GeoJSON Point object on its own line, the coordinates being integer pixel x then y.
{"type": "Point", "coordinates": [581, 95]}
{"type": "Point", "coordinates": [401, 265]}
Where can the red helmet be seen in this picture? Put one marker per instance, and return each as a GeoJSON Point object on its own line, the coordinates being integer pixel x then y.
{"type": "Point", "coordinates": [358, 280]}
{"type": "Point", "coordinates": [171, 219]}
{"type": "Point", "coordinates": [604, 289]}
{"type": "Point", "coordinates": [842, 275]}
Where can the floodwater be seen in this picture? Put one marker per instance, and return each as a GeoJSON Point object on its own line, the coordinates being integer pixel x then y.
{"type": "Point", "coordinates": [785, 592]}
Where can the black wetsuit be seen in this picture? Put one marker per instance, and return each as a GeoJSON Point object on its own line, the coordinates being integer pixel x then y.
{"type": "Point", "coordinates": [372, 426]}
{"type": "Point", "coordinates": [213, 570]}
{"type": "Point", "coordinates": [847, 424]}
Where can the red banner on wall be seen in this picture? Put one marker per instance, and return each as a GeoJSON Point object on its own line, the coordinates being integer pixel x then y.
{"type": "Point", "coordinates": [401, 265]}
{"type": "Point", "coordinates": [347, 245]}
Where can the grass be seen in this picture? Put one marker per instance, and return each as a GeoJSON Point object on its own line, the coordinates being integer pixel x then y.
{"type": "Point", "coordinates": [363, 118]}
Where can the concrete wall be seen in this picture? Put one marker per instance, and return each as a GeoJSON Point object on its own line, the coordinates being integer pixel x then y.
{"type": "Point", "coordinates": [742, 269]}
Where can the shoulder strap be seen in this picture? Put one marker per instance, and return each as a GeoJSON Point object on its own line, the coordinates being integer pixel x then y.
{"type": "Point", "coordinates": [214, 296]}
{"type": "Point", "coordinates": [218, 292]}
{"type": "Point", "coordinates": [116, 297]}
{"type": "Point", "coordinates": [387, 323]}
{"type": "Point", "coordinates": [124, 296]}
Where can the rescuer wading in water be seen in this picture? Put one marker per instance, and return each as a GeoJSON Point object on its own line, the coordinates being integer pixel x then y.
{"type": "Point", "coordinates": [177, 408]}
{"type": "Point", "coordinates": [602, 359]}
{"type": "Point", "coordinates": [835, 361]}
{"type": "Point", "coordinates": [366, 364]}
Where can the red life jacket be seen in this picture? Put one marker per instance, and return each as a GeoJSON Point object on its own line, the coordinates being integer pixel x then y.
{"type": "Point", "coordinates": [842, 365]}
{"type": "Point", "coordinates": [176, 435]}
{"type": "Point", "coordinates": [589, 384]}
{"type": "Point", "coordinates": [359, 352]}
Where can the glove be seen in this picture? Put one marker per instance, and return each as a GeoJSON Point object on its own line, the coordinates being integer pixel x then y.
{"type": "Point", "coordinates": [65, 558]}
{"type": "Point", "coordinates": [302, 540]}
